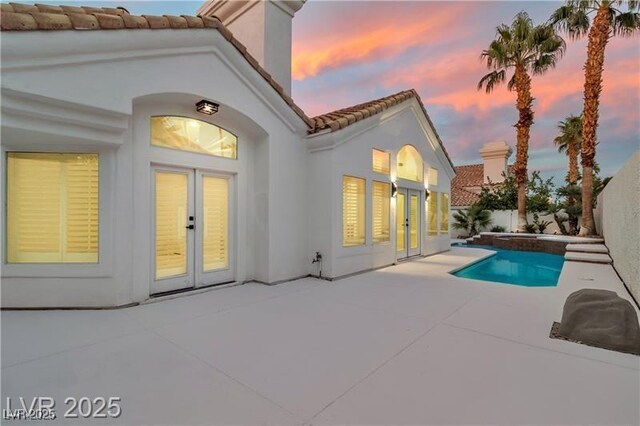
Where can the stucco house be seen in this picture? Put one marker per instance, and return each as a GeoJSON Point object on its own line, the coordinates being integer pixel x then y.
{"type": "Point", "coordinates": [471, 178]}
{"type": "Point", "coordinates": [145, 155]}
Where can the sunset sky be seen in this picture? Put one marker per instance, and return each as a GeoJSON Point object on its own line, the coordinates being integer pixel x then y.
{"type": "Point", "coordinates": [345, 53]}
{"type": "Point", "coordinates": [349, 52]}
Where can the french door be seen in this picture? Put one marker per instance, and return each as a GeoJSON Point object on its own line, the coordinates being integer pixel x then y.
{"type": "Point", "coordinates": [192, 219]}
{"type": "Point", "coordinates": [408, 212]}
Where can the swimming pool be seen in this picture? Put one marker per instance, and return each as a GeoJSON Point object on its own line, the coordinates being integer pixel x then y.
{"type": "Point", "coordinates": [525, 268]}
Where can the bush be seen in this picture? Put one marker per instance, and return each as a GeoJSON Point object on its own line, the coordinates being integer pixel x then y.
{"type": "Point", "coordinates": [472, 220]}
{"type": "Point", "coordinates": [498, 228]}
{"type": "Point", "coordinates": [530, 228]}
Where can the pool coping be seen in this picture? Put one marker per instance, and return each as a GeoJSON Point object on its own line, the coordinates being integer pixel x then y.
{"type": "Point", "coordinates": [473, 262]}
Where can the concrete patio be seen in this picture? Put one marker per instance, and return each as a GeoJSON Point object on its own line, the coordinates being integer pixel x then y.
{"type": "Point", "coordinates": [409, 344]}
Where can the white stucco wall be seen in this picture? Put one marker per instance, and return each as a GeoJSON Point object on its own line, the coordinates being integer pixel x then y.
{"type": "Point", "coordinates": [92, 92]}
{"type": "Point", "coordinates": [508, 219]}
{"type": "Point", "coordinates": [349, 152]}
{"type": "Point", "coordinates": [264, 27]}
{"type": "Point", "coordinates": [73, 91]}
{"type": "Point", "coordinates": [618, 221]}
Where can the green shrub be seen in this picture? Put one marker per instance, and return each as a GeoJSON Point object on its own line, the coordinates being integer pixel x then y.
{"type": "Point", "coordinates": [472, 220]}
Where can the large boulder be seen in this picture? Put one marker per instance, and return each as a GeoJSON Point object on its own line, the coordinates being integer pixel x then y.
{"type": "Point", "coordinates": [601, 318]}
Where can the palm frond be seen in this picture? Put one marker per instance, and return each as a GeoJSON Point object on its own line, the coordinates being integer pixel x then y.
{"type": "Point", "coordinates": [512, 83]}
{"type": "Point", "coordinates": [626, 24]}
{"type": "Point", "coordinates": [491, 80]}
{"type": "Point", "coordinates": [572, 19]}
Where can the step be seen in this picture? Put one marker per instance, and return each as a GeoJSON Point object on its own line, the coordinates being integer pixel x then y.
{"type": "Point", "coordinates": [588, 248]}
{"type": "Point", "coordinates": [576, 256]}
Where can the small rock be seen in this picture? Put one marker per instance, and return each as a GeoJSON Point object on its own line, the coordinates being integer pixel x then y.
{"type": "Point", "coordinates": [601, 318]}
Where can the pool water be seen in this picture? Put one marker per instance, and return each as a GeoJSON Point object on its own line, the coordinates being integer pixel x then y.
{"type": "Point", "coordinates": [525, 268]}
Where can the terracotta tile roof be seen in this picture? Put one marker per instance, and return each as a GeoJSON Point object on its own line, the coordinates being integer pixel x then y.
{"type": "Point", "coordinates": [344, 117]}
{"type": "Point", "coordinates": [28, 17]}
{"type": "Point", "coordinates": [469, 176]}
{"type": "Point", "coordinates": [460, 197]}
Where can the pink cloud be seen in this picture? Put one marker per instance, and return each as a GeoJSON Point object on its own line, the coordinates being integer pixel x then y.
{"type": "Point", "coordinates": [377, 39]}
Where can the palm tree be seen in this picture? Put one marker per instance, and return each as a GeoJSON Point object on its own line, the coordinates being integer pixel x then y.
{"type": "Point", "coordinates": [608, 21]}
{"type": "Point", "coordinates": [527, 49]}
{"type": "Point", "coordinates": [569, 141]}
{"type": "Point", "coordinates": [473, 220]}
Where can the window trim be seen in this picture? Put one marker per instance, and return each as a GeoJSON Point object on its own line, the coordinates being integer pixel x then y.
{"type": "Point", "coordinates": [421, 162]}
{"type": "Point", "coordinates": [441, 204]}
{"type": "Point", "coordinates": [388, 154]}
{"type": "Point", "coordinates": [6, 212]}
{"type": "Point", "coordinates": [431, 184]}
{"type": "Point", "coordinates": [430, 233]}
{"type": "Point", "coordinates": [342, 244]}
{"type": "Point", "coordinates": [106, 201]}
{"type": "Point", "coordinates": [373, 239]}
{"type": "Point", "coordinates": [151, 144]}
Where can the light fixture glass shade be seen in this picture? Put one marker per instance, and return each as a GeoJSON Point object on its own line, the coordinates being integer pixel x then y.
{"type": "Point", "coordinates": [207, 107]}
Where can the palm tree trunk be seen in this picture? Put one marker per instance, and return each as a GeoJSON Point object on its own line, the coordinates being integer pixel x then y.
{"type": "Point", "coordinates": [525, 120]}
{"type": "Point", "coordinates": [572, 152]}
{"type": "Point", "coordinates": [598, 37]}
{"type": "Point", "coordinates": [588, 228]}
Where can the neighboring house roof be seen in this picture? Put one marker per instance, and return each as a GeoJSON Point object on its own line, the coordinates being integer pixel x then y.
{"type": "Point", "coordinates": [344, 117]}
{"type": "Point", "coordinates": [40, 17]}
{"type": "Point", "coordinates": [460, 197]}
{"type": "Point", "coordinates": [469, 176]}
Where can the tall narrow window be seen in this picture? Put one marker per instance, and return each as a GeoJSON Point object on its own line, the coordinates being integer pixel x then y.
{"type": "Point", "coordinates": [188, 134]}
{"type": "Point", "coordinates": [432, 213]}
{"type": "Point", "coordinates": [444, 213]}
{"type": "Point", "coordinates": [172, 204]}
{"type": "Point", "coordinates": [410, 166]}
{"type": "Point", "coordinates": [353, 211]}
{"type": "Point", "coordinates": [381, 207]}
{"type": "Point", "coordinates": [381, 162]}
{"type": "Point", "coordinates": [215, 235]}
{"type": "Point", "coordinates": [52, 208]}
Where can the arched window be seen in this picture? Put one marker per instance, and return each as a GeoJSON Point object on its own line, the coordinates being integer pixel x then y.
{"type": "Point", "coordinates": [189, 134]}
{"type": "Point", "coordinates": [410, 164]}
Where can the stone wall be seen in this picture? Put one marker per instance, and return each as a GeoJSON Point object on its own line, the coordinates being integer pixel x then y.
{"type": "Point", "coordinates": [523, 243]}
{"type": "Point", "coordinates": [618, 221]}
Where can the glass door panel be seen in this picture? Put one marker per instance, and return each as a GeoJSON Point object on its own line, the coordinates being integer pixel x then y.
{"type": "Point", "coordinates": [173, 240]}
{"type": "Point", "coordinates": [414, 223]}
{"type": "Point", "coordinates": [171, 232]}
{"type": "Point", "coordinates": [215, 230]}
{"type": "Point", "coordinates": [401, 216]}
{"type": "Point", "coordinates": [214, 261]}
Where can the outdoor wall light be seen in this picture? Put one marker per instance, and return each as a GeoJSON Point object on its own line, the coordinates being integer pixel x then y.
{"type": "Point", "coordinates": [426, 195]}
{"type": "Point", "coordinates": [207, 107]}
{"type": "Point", "coordinates": [394, 189]}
